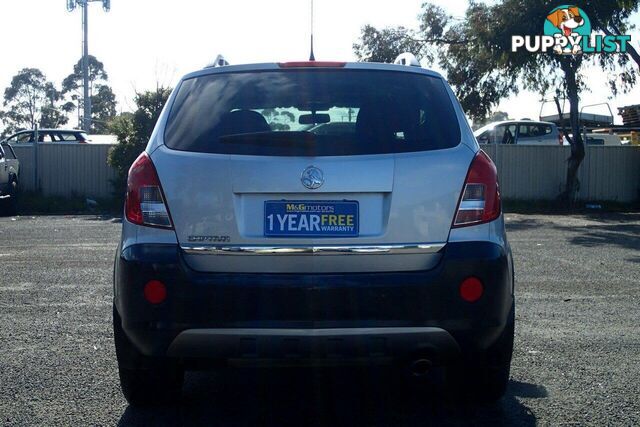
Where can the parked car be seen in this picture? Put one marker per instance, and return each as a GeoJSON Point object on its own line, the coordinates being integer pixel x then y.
{"type": "Point", "coordinates": [9, 174]}
{"type": "Point", "coordinates": [383, 243]}
{"type": "Point", "coordinates": [603, 139]}
{"type": "Point", "coordinates": [48, 135]}
{"type": "Point", "coordinates": [521, 132]}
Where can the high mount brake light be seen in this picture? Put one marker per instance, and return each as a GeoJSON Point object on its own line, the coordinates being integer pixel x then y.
{"type": "Point", "coordinates": [480, 200]}
{"type": "Point", "coordinates": [312, 64]}
{"type": "Point", "coordinates": [145, 203]}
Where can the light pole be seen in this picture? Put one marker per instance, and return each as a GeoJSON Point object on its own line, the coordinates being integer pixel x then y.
{"type": "Point", "coordinates": [84, 4]}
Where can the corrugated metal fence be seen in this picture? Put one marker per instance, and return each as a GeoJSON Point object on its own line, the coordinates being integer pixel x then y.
{"type": "Point", "coordinates": [67, 169]}
{"type": "Point", "coordinates": [526, 172]}
{"type": "Point", "coordinates": [539, 172]}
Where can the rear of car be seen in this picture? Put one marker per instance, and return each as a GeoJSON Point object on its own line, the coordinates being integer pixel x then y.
{"type": "Point", "coordinates": [49, 136]}
{"type": "Point", "coordinates": [248, 237]}
{"type": "Point", "coordinates": [9, 173]}
{"type": "Point", "coordinates": [603, 139]}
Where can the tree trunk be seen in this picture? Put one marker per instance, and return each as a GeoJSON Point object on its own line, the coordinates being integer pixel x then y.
{"type": "Point", "coordinates": [569, 67]}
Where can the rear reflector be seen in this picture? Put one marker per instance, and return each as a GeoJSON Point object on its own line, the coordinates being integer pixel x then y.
{"type": "Point", "coordinates": [480, 200]}
{"type": "Point", "coordinates": [312, 64]}
{"type": "Point", "coordinates": [145, 204]}
{"type": "Point", "coordinates": [471, 289]}
{"type": "Point", "coordinates": [155, 292]}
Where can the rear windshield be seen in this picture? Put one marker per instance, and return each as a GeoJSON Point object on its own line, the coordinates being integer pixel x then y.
{"type": "Point", "coordinates": [312, 112]}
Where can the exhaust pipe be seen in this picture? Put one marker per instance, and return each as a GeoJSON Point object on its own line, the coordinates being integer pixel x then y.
{"type": "Point", "coordinates": [421, 367]}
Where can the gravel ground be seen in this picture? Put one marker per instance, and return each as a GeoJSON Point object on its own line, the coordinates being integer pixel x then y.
{"type": "Point", "coordinates": [576, 360]}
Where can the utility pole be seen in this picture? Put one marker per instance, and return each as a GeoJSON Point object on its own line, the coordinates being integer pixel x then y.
{"type": "Point", "coordinates": [86, 122]}
{"type": "Point", "coordinates": [36, 137]}
{"type": "Point", "coordinates": [84, 4]}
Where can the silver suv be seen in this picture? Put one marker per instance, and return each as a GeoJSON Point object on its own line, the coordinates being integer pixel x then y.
{"type": "Point", "coordinates": [248, 237]}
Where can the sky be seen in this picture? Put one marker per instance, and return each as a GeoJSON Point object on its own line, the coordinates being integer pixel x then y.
{"type": "Point", "coordinates": [145, 42]}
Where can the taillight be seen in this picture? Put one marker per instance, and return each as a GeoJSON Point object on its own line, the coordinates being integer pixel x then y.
{"type": "Point", "coordinates": [145, 204]}
{"type": "Point", "coordinates": [560, 138]}
{"type": "Point", "coordinates": [480, 201]}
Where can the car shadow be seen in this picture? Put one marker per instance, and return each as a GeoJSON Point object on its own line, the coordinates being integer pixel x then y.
{"type": "Point", "coordinates": [304, 397]}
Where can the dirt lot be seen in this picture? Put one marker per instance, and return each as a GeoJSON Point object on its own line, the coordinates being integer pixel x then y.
{"type": "Point", "coordinates": [576, 358]}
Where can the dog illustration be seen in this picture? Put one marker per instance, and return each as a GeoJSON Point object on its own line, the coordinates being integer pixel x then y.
{"type": "Point", "coordinates": [566, 20]}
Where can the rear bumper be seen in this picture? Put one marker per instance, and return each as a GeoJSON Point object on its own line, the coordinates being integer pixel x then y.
{"type": "Point", "coordinates": [295, 345]}
{"type": "Point", "coordinates": [314, 316]}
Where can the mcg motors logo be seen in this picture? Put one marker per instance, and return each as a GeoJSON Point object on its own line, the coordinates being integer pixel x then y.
{"type": "Point", "coordinates": [567, 31]}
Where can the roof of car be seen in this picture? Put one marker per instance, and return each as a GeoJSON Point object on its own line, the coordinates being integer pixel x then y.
{"type": "Point", "coordinates": [510, 122]}
{"type": "Point", "coordinates": [50, 130]}
{"type": "Point", "coordinates": [520, 121]}
{"type": "Point", "coordinates": [276, 66]}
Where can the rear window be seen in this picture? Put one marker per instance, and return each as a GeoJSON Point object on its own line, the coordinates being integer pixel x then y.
{"type": "Point", "coordinates": [532, 131]}
{"type": "Point", "coordinates": [312, 112]}
{"type": "Point", "coordinates": [72, 136]}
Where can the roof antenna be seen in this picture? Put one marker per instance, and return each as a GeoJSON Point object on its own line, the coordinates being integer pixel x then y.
{"type": "Point", "coordinates": [312, 57]}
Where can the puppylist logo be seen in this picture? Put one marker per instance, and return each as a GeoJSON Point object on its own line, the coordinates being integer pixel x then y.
{"type": "Point", "coordinates": [567, 31]}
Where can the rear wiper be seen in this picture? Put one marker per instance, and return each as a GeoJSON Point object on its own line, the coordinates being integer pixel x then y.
{"type": "Point", "coordinates": [284, 138]}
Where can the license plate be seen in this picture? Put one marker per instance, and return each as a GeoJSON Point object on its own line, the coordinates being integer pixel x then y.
{"type": "Point", "coordinates": [310, 218]}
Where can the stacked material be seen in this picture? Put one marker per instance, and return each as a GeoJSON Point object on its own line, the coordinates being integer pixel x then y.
{"type": "Point", "coordinates": [630, 115]}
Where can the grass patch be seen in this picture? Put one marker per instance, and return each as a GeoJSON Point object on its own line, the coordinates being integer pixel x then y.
{"type": "Point", "coordinates": [32, 203]}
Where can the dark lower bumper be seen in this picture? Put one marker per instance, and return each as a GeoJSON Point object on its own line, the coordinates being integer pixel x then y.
{"type": "Point", "coordinates": [280, 316]}
{"type": "Point", "coordinates": [318, 344]}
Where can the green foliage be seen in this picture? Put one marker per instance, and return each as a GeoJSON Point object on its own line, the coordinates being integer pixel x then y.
{"type": "Point", "coordinates": [497, 116]}
{"type": "Point", "coordinates": [386, 44]}
{"type": "Point", "coordinates": [29, 100]}
{"type": "Point", "coordinates": [103, 100]}
{"type": "Point", "coordinates": [103, 108]}
{"type": "Point", "coordinates": [133, 131]}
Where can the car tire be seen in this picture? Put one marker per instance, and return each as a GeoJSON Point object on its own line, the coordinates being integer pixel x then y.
{"type": "Point", "coordinates": [485, 381]}
{"type": "Point", "coordinates": [145, 381]}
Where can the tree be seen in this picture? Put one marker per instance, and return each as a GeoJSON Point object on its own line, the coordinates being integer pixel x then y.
{"type": "Point", "coordinates": [103, 100]}
{"type": "Point", "coordinates": [278, 119]}
{"type": "Point", "coordinates": [31, 99]}
{"type": "Point", "coordinates": [386, 44]}
{"type": "Point", "coordinates": [133, 131]}
{"type": "Point", "coordinates": [476, 56]}
{"type": "Point", "coordinates": [103, 108]}
{"type": "Point", "coordinates": [496, 116]}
